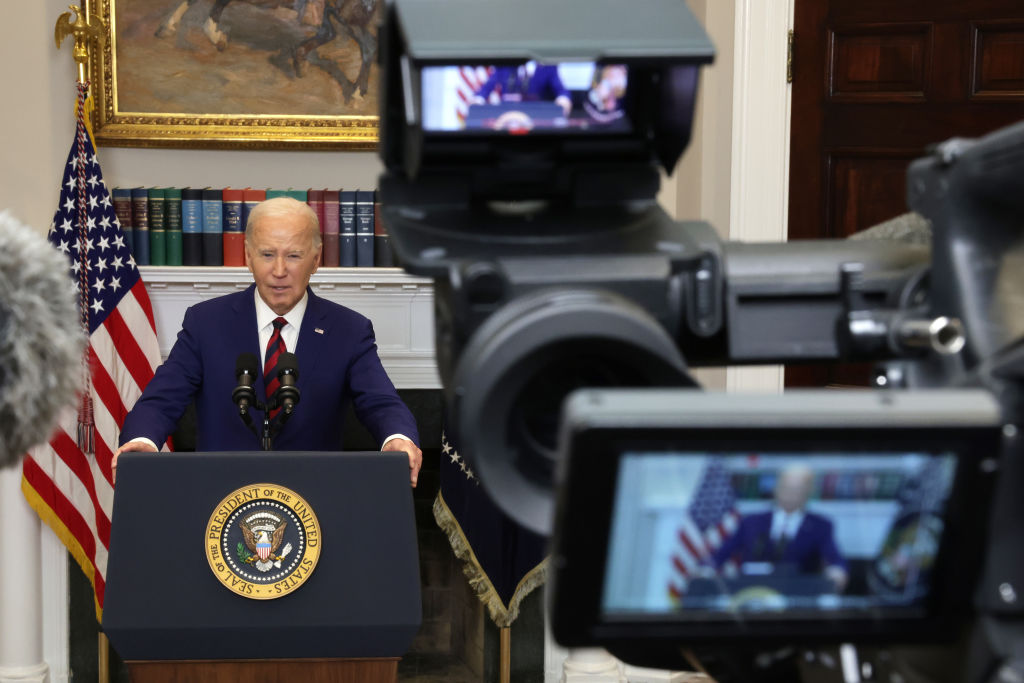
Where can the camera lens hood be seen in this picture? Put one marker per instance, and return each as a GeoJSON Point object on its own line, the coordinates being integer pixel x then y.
{"type": "Point", "coordinates": [520, 364]}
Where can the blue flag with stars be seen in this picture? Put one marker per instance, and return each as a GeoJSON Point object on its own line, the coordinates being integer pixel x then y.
{"type": "Point", "coordinates": [503, 561]}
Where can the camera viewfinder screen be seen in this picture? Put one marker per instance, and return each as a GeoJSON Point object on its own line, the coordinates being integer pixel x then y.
{"type": "Point", "coordinates": [698, 537]}
{"type": "Point", "coordinates": [527, 98]}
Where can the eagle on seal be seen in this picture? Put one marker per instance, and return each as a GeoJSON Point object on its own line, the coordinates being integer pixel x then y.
{"type": "Point", "coordinates": [264, 545]}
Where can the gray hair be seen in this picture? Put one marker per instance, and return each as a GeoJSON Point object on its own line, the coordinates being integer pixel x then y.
{"type": "Point", "coordinates": [278, 207]}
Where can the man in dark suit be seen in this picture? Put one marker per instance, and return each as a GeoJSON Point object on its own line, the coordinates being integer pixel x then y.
{"type": "Point", "coordinates": [335, 347]}
{"type": "Point", "coordinates": [526, 83]}
{"type": "Point", "coordinates": [788, 536]}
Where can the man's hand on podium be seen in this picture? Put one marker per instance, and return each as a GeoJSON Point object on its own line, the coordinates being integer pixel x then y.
{"type": "Point", "coordinates": [136, 445]}
{"type": "Point", "coordinates": [415, 456]}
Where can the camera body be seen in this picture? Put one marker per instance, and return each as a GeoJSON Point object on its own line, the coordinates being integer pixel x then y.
{"type": "Point", "coordinates": [556, 270]}
{"type": "Point", "coordinates": [554, 266]}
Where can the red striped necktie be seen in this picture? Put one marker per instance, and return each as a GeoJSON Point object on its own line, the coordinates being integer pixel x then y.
{"type": "Point", "coordinates": [275, 347]}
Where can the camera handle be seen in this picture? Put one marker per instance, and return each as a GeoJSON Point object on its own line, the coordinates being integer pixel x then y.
{"type": "Point", "coordinates": [868, 333]}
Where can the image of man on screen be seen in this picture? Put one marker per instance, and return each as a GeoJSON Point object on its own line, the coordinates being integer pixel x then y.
{"type": "Point", "coordinates": [788, 538]}
{"type": "Point", "coordinates": [528, 83]}
{"type": "Point", "coordinates": [335, 349]}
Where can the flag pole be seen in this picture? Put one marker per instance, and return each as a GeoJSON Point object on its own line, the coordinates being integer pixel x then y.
{"type": "Point", "coordinates": [505, 655]}
{"type": "Point", "coordinates": [103, 659]}
{"type": "Point", "coordinates": [85, 29]}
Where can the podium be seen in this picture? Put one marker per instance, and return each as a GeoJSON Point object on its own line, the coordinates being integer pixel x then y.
{"type": "Point", "coordinates": [541, 114]}
{"type": "Point", "coordinates": [339, 595]}
{"type": "Point", "coordinates": [759, 593]}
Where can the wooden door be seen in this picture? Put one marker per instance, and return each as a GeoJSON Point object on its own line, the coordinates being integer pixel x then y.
{"type": "Point", "coordinates": [874, 83]}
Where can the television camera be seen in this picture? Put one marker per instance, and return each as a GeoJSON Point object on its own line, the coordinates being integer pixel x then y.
{"type": "Point", "coordinates": [522, 144]}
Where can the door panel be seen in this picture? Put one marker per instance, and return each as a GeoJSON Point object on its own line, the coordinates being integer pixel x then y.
{"type": "Point", "coordinates": [878, 63]}
{"type": "Point", "coordinates": [997, 67]}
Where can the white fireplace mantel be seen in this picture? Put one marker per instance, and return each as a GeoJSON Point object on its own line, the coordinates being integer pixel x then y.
{"type": "Point", "coordinates": [400, 306]}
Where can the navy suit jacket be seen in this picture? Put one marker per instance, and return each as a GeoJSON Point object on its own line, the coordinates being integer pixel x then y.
{"type": "Point", "coordinates": [810, 551]}
{"type": "Point", "coordinates": [337, 359]}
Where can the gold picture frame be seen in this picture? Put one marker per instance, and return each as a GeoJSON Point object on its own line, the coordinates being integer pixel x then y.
{"type": "Point", "coordinates": [269, 80]}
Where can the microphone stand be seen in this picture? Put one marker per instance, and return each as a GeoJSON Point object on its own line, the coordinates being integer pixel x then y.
{"type": "Point", "coordinates": [270, 428]}
{"type": "Point", "coordinates": [266, 440]}
{"type": "Point", "coordinates": [246, 399]}
{"type": "Point", "coordinates": [266, 434]}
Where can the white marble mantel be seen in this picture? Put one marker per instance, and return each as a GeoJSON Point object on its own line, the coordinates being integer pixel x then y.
{"type": "Point", "coordinates": [400, 306]}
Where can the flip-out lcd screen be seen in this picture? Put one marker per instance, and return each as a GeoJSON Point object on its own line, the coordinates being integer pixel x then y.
{"type": "Point", "coordinates": [740, 535]}
{"type": "Point", "coordinates": [526, 98]}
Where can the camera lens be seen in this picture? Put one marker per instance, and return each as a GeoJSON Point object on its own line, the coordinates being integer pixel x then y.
{"type": "Point", "coordinates": [533, 420]}
{"type": "Point", "coordinates": [518, 367]}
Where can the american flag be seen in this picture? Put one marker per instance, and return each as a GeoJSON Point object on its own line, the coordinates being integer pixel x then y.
{"type": "Point", "coordinates": [711, 518]}
{"type": "Point", "coordinates": [469, 81]}
{"type": "Point", "coordinates": [71, 488]}
{"type": "Point", "coordinates": [927, 490]}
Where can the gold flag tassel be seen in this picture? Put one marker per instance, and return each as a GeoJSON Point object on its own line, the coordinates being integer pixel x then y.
{"type": "Point", "coordinates": [86, 421]}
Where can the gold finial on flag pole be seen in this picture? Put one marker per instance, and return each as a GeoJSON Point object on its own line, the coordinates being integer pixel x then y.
{"type": "Point", "coordinates": [84, 28]}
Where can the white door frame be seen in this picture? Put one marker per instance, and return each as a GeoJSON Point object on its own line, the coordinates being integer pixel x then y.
{"type": "Point", "coordinates": [760, 144]}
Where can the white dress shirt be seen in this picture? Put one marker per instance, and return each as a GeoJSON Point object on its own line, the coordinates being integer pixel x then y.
{"type": "Point", "coordinates": [265, 318]}
{"type": "Point", "coordinates": [785, 524]}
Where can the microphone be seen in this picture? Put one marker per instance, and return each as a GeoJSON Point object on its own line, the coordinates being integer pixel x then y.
{"type": "Point", "coordinates": [41, 339]}
{"type": "Point", "coordinates": [246, 367]}
{"type": "Point", "coordinates": [287, 394]}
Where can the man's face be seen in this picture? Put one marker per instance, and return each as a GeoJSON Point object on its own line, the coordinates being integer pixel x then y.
{"type": "Point", "coordinates": [281, 258]}
{"type": "Point", "coordinates": [793, 489]}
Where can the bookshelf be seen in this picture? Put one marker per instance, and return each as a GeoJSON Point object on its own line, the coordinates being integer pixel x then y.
{"type": "Point", "coordinates": [401, 307]}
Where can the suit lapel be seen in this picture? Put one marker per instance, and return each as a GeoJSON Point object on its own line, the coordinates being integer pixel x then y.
{"type": "Point", "coordinates": [244, 309]}
{"type": "Point", "coordinates": [312, 343]}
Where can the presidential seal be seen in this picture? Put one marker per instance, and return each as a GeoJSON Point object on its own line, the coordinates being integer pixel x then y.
{"type": "Point", "coordinates": [263, 541]}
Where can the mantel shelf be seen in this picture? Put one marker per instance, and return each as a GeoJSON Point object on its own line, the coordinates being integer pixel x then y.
{"type": "Point", "coordinates": [401, 307]}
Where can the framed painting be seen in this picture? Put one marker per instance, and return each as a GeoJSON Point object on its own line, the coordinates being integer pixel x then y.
{"type": "Point", "coordinates": [255, 74]}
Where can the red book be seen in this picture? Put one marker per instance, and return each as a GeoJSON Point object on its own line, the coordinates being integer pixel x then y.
{"type": "Point", "coordinates": [234, 229]}
{"type": "Point", "coordinates": [332, 226]}
{"type": "Point", "coordinates": [383, 257]}
{"type": "Point", "coordinates": [315, 199]}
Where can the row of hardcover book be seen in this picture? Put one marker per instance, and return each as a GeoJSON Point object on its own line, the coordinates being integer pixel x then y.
{"type": "Point", "coordinates": [206, 227]}
{"type": "Point", "coordinates": [845, 485]}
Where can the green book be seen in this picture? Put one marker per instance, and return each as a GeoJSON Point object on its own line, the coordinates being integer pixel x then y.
{"type": "Point", "coordinates": [172, 217]}
{"type": "Point", "coordinates": [157, 227]}
{"type": "Point", "coordinates": [300, 195]}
